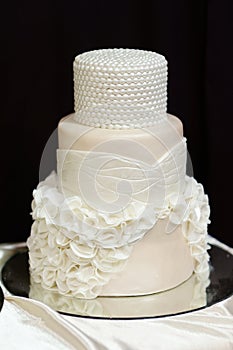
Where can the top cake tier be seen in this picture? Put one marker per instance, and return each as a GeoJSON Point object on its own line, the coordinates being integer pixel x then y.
{"type": "Point", "coordinates": [120, 88]}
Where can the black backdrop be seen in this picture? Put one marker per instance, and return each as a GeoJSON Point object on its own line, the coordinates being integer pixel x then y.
{"type": "Point", "coordinates": [42, 39]}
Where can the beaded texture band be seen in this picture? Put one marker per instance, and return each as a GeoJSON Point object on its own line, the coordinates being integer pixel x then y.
{"type": "Point", "coordinates": [120, 88]}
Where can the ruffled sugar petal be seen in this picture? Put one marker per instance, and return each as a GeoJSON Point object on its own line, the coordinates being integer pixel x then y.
{"type": "Point", "coordinates": [37, 241]}
{"type": "Point", "coordinates": [35, 278]}
{"type": "Point", "coordinates": [66, 217]}
{"type": "Point", "coordinates": [61, 283]}
{"type": "Point", "coordinates": [52, 211]}
{"type": "Point", "coordinates": [34, 228]}
{"type": "Point", "coordinates": [175, 218]}
{"type": "Point", "coordinates": [78, 288]}
{"type": "Point", "coordinates": [36, 261]}
{"type": "Point", "coordinates": [102, 276]}
{"type": "Point", "coordinates": [74, 203]}
{"type": "Point", "coordinates": [197, 213]}
{"type": "Point", "coordinates": [70, 235]}
{"type": "Point", "coordinates": [191, 188]}
{"type": "Point", "coordinates": [198, 249]}
{"type": "Point", "coordinates": [83, 251]}
{"type": "Point", "coordinates": [75, 259]}
{"type": "Point", "coordinates": [62, 240]}
{"type": "Point", "coordinates": [38, 195]}
{"type": "Point", "coordinates": [111, 220]}
{"type": "Point", "coordinates": [115, 254]}
{"type": "Point", "coordinates": [111, 260]}
{"type": "Point", "coordinates": [197, 238]}
{"type": "Point", "coordinates": [33, 205]}
{"type": "Point", "coordinates": [85, 274]}
{"type": "Point", "coordinates": [57, 258]}
{"type": "Point", "coordinates": [202, 267]}
{"type": "Point", "coordinates": [42, 227]}
{"type": "Point", "coordinates": [46, 251]}
{"type": "Point", "coordinates": [51, 240]}
{"type": "Point", "coordinates": [54, 196]}
{"type": "Point", "coordinates": [163, 213]}
{"type": "Point", "coordinates": [111, 237]}
{"type": "Point", "coordinates": [109, 267]}
{"type": "Point", "coordinates": [49, 276]}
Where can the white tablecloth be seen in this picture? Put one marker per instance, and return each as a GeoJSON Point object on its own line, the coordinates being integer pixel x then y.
{"type": "Point", "coordinates": [24, 322]}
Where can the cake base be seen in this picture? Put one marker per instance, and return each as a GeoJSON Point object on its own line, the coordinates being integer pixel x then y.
{"type": "Point", "coordinates": [191, 295]}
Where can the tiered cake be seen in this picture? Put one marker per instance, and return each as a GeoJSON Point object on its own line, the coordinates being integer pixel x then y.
{"type": "Point", "coordinates": [120, 217]}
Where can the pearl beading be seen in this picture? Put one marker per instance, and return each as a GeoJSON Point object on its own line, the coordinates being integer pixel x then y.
{"type": "Point", "coordinates": [120, 88]}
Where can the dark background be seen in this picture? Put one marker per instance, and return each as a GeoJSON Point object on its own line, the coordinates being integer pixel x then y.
{"type": "Point", "coordinates": [40, 42]}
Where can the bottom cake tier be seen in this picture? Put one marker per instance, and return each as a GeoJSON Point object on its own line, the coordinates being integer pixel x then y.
{"type": "Point", "coordinates": [70, 254]}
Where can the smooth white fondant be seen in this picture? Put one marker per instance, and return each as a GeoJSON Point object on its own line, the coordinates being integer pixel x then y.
{"type": "Point", "coordinates": [120, 88]}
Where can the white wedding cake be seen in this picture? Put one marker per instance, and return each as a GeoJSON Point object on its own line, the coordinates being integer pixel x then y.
{"type": "Point", "coordinates": [120, 216]}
